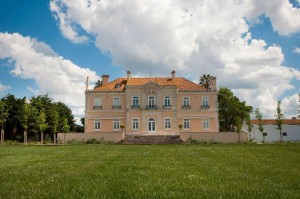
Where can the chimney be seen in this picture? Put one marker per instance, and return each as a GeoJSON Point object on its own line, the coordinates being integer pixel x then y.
{"type": "Point", "coordinates": [173, 75]}
{"type": "Point", "coordinates": [87, 83]}
{"type": "Point", "coordinates": [105, 79]}
{"type": "Point", "coordinates": [128, 75]}
{"type": "Point", "coordinates": [213, 84]}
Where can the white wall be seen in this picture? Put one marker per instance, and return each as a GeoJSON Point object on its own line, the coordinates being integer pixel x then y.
{"type": "Point", "coordinates": [293, 133]}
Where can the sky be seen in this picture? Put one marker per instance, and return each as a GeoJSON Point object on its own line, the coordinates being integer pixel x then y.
{"type": "Point", "coordinates": [251, 46]}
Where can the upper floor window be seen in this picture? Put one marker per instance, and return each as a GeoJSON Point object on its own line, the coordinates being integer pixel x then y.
{"type": "Point", "coordinates": [97, 103]}
{"type": "Point", "coordinates": [97, 125]}
{"type": "Point", "coordinates": [135, 123]}
{"type": "Point", "coordinates": [116, 124]}
{"type": "Point", "coordinates": [116, 102]}
{"type": "Point", "coordinates": [167, 101]}
{"type": "Point", "coordinates": [151, 102]}
{"type": "Point", "coordinates": [167, 123]}
{"type": "Point", "coordinates": [186, 102]}
{"type": "Point", "coordinates": [205, 102]}
{"type": "Point", "coordinates": [205, 123]}
{"type": "Point", "coordinates": [186, 123]}
{"type": "Point", "coordinates": [135, 102]}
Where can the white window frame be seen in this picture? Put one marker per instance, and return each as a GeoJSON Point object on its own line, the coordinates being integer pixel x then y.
{"type": "Point", "coordinates": [97, 103]}
{"type": "Point", "coordinates": [98, 127]}
{"type": "Point", "coordinates": [186, 121]}
{"type": "Point", "coordinates": [116, 101]}
{"type": "Point", "coordinates": [169, 126]}
{"type": "Point", "coordinates": [151, 100]}
{"type": "Point", "coordinates": [205, 101]}
{"type": "Point", "coordinates": [205, 124]}
{"type": "Point", "coordinates": [134, 123]}
{"type": "Point", "coordinates": [116, 123]}
{"type": "Point", "coordinates": [165, 100]}
{"type": "Point", "coordinates": [133, 101]}
{"type": "Point", "coordinates": [186, 99]}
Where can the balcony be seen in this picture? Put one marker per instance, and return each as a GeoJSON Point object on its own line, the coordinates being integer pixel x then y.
{"type": "Point", "coordinates": [186, 106]}
{"type": "Point", "coordinates": [135, 106]}
{"type": "Point", "coordinates": [116, 107]}
{"type": "Point", "coordinates": [205, 106]}
{"type": "Point", "coordinates": [167, 106]}
{"type": "Point", "coordinates": [151, 107]}
{"type": "Point", "coordinates": [97, 107]}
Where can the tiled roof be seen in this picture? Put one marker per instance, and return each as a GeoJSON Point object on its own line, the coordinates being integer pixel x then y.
{"type": "Point", "coordinates": [273, 121]}
{"type": "Point", "coordinates": [183, 84]}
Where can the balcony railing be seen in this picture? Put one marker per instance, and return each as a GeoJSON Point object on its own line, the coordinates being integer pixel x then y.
{"type": "Point", "coordinates": [154, 107]}
{"type": "Point", "coordinates": [186, 106]}
{"type": "Point", "coordinates": [205, 106]}
{"type": "Point", "coordinates": [116, 107]}
{"type": "Point", "coordinates": [167, 106]}
{"type": "Point", "coordinates": [97, 107]}
{"type": "Point", "coordinates": [135, 106]}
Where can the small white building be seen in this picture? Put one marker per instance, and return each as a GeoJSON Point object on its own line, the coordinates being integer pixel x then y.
{"type": "Point", "coordinates": [290, 130]}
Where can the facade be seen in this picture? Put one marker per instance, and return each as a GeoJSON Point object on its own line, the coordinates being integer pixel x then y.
{"type": "Point", "coordinates": [150, 106]}
{"type": "Point", "coordinates": [290, 130]}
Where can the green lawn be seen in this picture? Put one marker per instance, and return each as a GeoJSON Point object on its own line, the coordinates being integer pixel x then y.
{"type": "Point", "coordinates": [150, 171]}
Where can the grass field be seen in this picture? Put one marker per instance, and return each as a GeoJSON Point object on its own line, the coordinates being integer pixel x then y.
{"type": "Point", "coordinates": [150, 171]}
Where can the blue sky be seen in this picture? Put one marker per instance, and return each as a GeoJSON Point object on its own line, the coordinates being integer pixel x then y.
{"type": "Point", "coordinates": [252, 47]}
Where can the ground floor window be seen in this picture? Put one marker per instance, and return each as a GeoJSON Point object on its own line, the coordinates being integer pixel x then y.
{"type": "Point", "coordinates": [205, 123]}
{"type": "Point", "coordinates": [116, 124]}
{"type": "Point", "coordinates": [167, 123]}
{"type": "Point", "coordinates": [97, 125]}
{"type": "Point", "coordinates": [135, 123]}
{"type": "Point", "coordinates": [186, 123]}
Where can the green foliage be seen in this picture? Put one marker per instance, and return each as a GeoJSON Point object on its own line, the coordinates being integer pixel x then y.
{"type": "Point", "coordinates": [232, 112]}
{"type": "Point", "coordinates": [3, 114]}
{"type": "Point", "coordinates": [150, 171]}
{"type": "Point", "coordinates": [66, 127]}
{"type": "Point", "coordinates": [258, 116]}
{"type": "Point", "coordinates": [42, 125]}
{"type": "Point", "coordinates": [206, 80]}
{"type": "Point", "coordinates": [279, 119]}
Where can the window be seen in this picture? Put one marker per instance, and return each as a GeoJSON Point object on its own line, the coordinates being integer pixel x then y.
{"type": "Point", "coordinates": [205, 102]}
{"type": "Point", "coordinates": [284, 133]}
{"type": "Point", "coordinates": [97, 125]}
{"type": "Point", "coordinates": [167, 101]}
{"type": "Point", "coordinates": [167, 123]}
{"type": "Point", "coordinates": [205, 124]}
{"type": "Point", "coordinates": [97, 103]}
{"type": "Point", "coordinates": [151, 102]}
{"type": "Point", "coordinates": [186, 123]}
{"type": "Point", "coordinates": [116, 102]}
{"type": "Point", "coordinates": [135, 123]}
{"type": "Point", "coordinates": [186, 102]}
{"type": "Point", "coordinates": [116, 124]}
{"type": "Point", "coordinates": [135, 102]}
{"type": "Point", "coordinates": [265, 134]}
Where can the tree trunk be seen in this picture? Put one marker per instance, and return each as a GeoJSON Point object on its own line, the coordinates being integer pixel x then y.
{"type": "Point", "coordinates": [42, 138]}
{"type": "Point", "coordinates": [25, 137]}
{"type": "Point", "coordinates": [54, 138]}
{"type": "Point", "coordinates": [2, 136]}
{"type": "Point", "coordinates": [239, 137]}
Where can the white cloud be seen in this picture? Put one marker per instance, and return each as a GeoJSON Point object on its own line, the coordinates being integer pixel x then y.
{"type": "Point", "coordinates": [60, 78]}
{"type": "Point", "coordinates": [193, 37]}
{"type": "Point", "coordinates": [3, 87]}
{"type": "Point", "coordinates": [296, 50]}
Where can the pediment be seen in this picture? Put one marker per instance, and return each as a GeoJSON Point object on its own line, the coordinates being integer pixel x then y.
{"type": "Point", "coordinates": [151, 84]}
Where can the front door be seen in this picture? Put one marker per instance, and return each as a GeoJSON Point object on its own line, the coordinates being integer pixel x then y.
{"type": "Point", "coordinates": [151, 125]}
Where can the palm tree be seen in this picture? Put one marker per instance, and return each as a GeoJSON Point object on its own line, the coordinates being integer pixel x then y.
{"type": "Point", "coordinates": [98, 83]}
{"type": "Point", "coordinates": [206, 80]}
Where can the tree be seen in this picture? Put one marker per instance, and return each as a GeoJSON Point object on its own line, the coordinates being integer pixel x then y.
{"type": "Point", "coordinates": [65, 128]}
{"type": "Point", "coordinates": [23, 115]}
{"type": "Point", "coordinates": [239, 125]}
{"type": "Point", "coordinates": [206, 80]}
{"type": "Point", "coordinates": [42, 124]}
{"type": "Point", "coordinates": [249, 126]}
{"type": "Point", "coordinates": [3, 118]}
{"type": "Point", "coordinates": [64, 112]}
{"type": "Point", "coordinates": [232, 112]}
{"type": "Point", "coordinates": [258, 116]}
{"type": "Point", "coordinates": [98, 83]}
{"type": "Point", "coordinates": [279, 119]}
